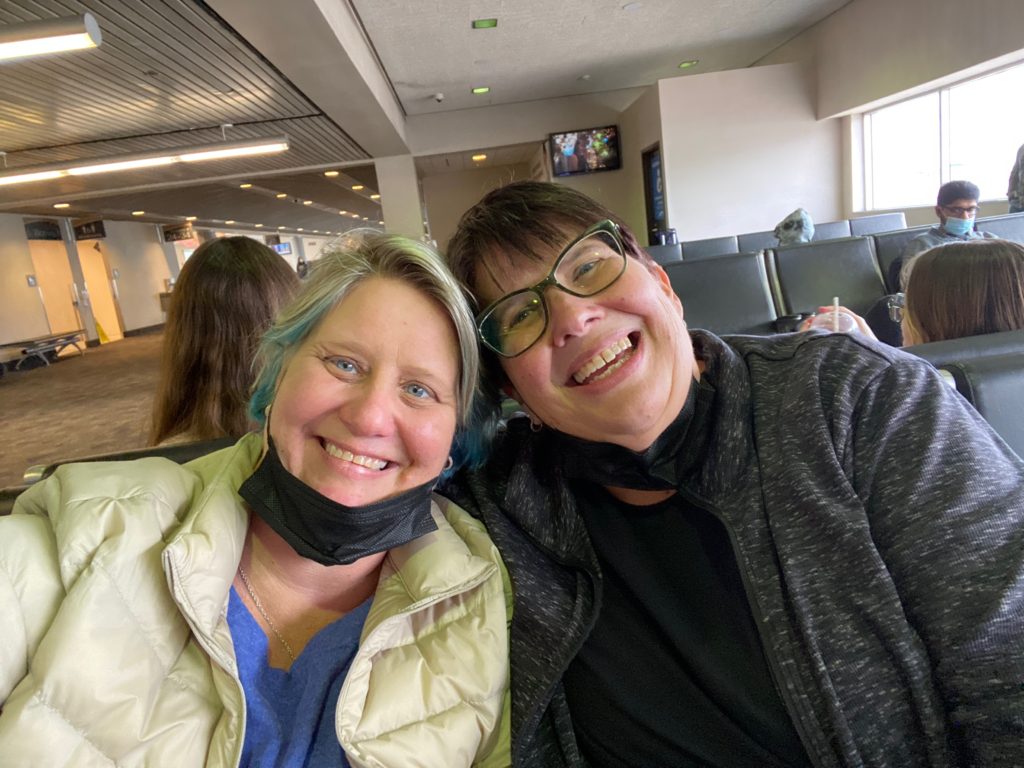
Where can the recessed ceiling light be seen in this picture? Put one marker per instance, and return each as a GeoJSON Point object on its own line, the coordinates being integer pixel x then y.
{"type": "Point", "coordinates": [689, 63]}
{"type": "Point", "coordinates": [343, 212]}
{"type": "Point", "coordinates": [62, 205]}
{"type": "Point", "coordinates": [307, 202]}
{"type": "Point", "coordinates": [357, 187]}
{"type": "Point", "coordinates": [299, 229]}
{"type": "Point", "coordinates": [191, 218]}
{"type": "Point", "coordinates": [375, 197]}
{"type": "Point", "coordinates": [257, 225]}
{"type": "Point", "coordinates": [479, 158]}
{"type": "Point", "coordinates": [138, 213]}
{"type": "Point", "coordinates": [331, 174]}
{"type": "Point", "coordinates": [230, 221]}
{"type": "Point", "coordinates": [316, 231]}
{"type": "Point", "coordinates": [381, 221]}
{"type": "Point", "coordinates": [280, 227]}
{"type": "Point", "coordinates": [366, 218]}
{"type": "Point", "coordinates": [355, 215]}
{"type": "Point", "coordinates": [484, 23]}
{"type": "Point", "coordinates": [280, 195]}
{"type": "Point", "coordinates": [481, 89]}
{"type": "Point", "coordinates": [247, 185]}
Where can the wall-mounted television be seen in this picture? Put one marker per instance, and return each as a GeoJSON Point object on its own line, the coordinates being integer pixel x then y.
{"type": "Point", "coordinates": [584, 151]}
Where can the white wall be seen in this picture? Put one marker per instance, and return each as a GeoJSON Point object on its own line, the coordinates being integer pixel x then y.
{"type": "Point", "coordinates": [448, 195]}
{"type": "Point", "coordinates": [742, 148]}
{"type": "Point", "coordinates": [21, 311]}
{"type": "Point", "coordinates": [134, 249]}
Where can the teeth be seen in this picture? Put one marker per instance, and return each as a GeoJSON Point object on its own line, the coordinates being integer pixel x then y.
{"type": "Point", "coordinates": [601, 359]}
{"type": "Point", "coordinates": [363, 461]}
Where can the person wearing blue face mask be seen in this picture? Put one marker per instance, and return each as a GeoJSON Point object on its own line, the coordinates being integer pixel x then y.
{"type": "Point", "coordinates": [956, 207]}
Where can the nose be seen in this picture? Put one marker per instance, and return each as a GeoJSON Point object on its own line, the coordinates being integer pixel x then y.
{"type": "Point", "coordinates": [370, 410]}
{"type": "Point", "coordinates": [569, 316]}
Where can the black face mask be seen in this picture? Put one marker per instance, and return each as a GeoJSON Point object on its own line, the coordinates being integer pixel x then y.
{"type": "Point", "coordinates": [324, 530]}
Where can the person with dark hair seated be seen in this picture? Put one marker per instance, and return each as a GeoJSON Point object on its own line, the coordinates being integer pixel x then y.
{"type": "Point", "coordinates": [801, 549]}
{"type": "Point", "coordinates": [956, 207]}
{"type": "Point", "coordinates": [302, 598]}
{"type": "Point", "coordinates": [226, 296]}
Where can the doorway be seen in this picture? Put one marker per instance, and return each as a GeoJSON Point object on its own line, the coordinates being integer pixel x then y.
{"type": "Point", "coordinates": [56, 286]}
{"type": "Point", "coordinates": [99, 283]}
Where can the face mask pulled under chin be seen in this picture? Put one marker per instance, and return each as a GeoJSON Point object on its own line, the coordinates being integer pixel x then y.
{"type": "Point", "coordinates": [958, 227]}
{"type": "Point", "coordinates": [326, 531]}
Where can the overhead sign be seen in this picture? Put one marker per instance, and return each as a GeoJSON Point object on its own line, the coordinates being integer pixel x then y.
{"type": "Point", "coordinates": [284, 249]}
{"type": "Point", "coordinates": [42, 229]}
{"type": "Point", "coordinates": [90, 230]}
{"type": "Point", "coordinates": [175, 232]}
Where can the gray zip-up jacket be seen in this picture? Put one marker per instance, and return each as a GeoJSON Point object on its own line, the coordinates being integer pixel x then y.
{"type": "Point", "coordinates": [878, 523]}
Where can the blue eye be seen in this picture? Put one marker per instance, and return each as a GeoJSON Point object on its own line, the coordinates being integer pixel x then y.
{"type": "Point", "coordinates": [418, 391]}
{"type": "Point", "coordinates": [343, 364]}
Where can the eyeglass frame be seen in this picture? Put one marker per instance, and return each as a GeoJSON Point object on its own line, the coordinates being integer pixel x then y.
{"type": "Point", "coordinates": [896, 304]}
{"type": "Point", "coordinates": [959, 211]}
{"type": "Point", "coordinates": [605, 225]}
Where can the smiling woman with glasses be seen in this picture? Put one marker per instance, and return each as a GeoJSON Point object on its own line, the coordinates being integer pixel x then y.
{"type": "Point", "coordinates": [717, 544]}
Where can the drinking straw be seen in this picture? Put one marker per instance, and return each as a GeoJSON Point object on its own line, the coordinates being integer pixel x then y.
{"type": "Point", "coordinates": [835, 314]}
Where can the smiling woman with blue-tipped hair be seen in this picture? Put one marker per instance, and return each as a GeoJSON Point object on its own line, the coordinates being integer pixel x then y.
{"type": "Point", "coordinates": [302, 598]}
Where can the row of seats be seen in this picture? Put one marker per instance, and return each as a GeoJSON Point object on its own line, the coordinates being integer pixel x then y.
{"type": "Point", "coordinates": [889, 230]}
{"type": "Point", "coordinates": [709, 248]}
{"type": "Point", "coordinates": [751, 292]}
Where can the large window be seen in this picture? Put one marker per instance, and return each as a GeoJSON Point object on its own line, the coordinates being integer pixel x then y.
{"type": "Point", "coordinates": [967, 131]}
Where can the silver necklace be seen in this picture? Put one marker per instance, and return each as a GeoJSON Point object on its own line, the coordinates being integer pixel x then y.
{"type": "Point", "coordinates": [263, 613]}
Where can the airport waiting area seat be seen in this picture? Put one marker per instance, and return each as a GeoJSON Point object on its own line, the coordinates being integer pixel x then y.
{"type": "Point", "coordinates": [727, 294]}
{"type": "Point", "coordinates": [1009, 226]}
{"type": "Point", "coordinates": [875, 223]}
{"type": "Point", "coordinates": [665, 254]}
{"type": "Point", "coordinates": [695, 250]}
{"type": "Point", "coordinates": [988, 371]}
{"type": "Point", "coordinates": [756, 241]}
{"type": "Point", "coordinates": [831, 230]}
{"type": "Point", "coordinates": [808, 275]}
{"type": "Point", "coordinates": [889, 247]}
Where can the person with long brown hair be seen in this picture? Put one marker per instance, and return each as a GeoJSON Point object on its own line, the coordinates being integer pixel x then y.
{"type": "Point", "coordinates": [226, 296]}
{"type": "Point", "coordinates": [964, 289]}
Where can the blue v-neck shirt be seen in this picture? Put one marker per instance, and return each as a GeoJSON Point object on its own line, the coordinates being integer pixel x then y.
{"type": "Point", "coordinates": [290, 715]}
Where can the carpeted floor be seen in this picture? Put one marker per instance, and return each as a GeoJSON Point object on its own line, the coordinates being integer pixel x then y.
{"type": "Point", "coordinates": [84, 405]}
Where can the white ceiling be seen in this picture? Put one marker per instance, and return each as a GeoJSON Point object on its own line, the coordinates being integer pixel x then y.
{"type": "Point", "coordinates": [170, 72]}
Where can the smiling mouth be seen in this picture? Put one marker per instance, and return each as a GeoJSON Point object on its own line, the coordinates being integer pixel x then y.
{"type": "Point", "coordinates": [370, 462]}
{"type": "Point", "coordinates": [605, 362]}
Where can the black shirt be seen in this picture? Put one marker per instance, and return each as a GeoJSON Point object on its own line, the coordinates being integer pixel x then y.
{"type": "Point", "coordinates": [673, 673]}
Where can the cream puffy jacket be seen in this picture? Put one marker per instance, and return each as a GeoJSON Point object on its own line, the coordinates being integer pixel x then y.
{"type": "Point", "coordinates": [115, 649]}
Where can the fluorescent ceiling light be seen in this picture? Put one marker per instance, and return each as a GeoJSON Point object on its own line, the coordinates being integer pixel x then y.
{"type": "Point", "coordinates": [331, 174]}
{"type": "Point", "coordinates": [246, 185]}
{"type": "Point", "coordinates": [138, 213]}
{"type": "Point", "coordinates": [146, 160]}
{"type": "Point", "coordinates": [230, 221]}
{"type": "Point", "coordinates": [307, 202]}
{"type": "Point", "coordinates": [375, 197]}
{"type": "Point", "coordinates": [357, 187]}
{"type": "Point", "coordinates": [281, 195]}
{"type": "Point", "coordinates": [36, 38]}
{"type": "Point", "coordinates": [257, 225]}
{"type": "Point", "coordinates": [190, 218]}
{"type": "Point", "coordinates": [479, 158]}
{"type": "Point", "coordinates": [62, 205]}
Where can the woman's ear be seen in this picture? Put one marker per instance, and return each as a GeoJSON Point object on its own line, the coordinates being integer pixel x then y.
{"type": "Point", "coordinates": [665, 283]}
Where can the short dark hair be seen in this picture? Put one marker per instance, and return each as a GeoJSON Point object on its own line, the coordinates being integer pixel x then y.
{"type": "Point", "coordinates": [523, 218]}
{"type": "Point", "coordinates": [967, 289]}
{"type": "Point", "coordinates": [225, 298]}
{"type": "Point", "coordinates": [958, 190]}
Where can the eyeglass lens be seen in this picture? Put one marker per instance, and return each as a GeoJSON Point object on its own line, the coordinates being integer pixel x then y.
{"type": "Point", "coordinates": [518, 320]}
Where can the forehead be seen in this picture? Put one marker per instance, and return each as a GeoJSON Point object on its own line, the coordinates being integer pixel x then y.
{"type": "Point", "coordinates": [501, 270]}
{"type": "Point", "coordinates": [963, 202]}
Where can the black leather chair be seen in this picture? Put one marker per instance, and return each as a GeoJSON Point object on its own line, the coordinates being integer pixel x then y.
{"type": "Point", "coordinates": [694, 250]}
{"type": "Point", "coordinates": [1009, 226]}
{"type": "Point", "coordinates": [889, 246]}
{"type": "Point", "coordinates": [665, 254]}
{"type": "Point", "coordinates": [756, 241]}
{"type": "Point", "coordinates": [879, 222]}
{"type": "Point", "coordinates": [942, 353]}
{"type": "Point", "coordinates": [995, 386]}
{"type": "Point", "coordinates": [728, 294]}
{"type": "Point", "coordinates": [831, 230]}
{"type": "Point", "coordinates": [808, 275]}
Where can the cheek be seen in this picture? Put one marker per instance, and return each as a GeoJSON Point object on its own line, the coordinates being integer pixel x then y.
{"type": "Point", "coordinates": [429, 440]}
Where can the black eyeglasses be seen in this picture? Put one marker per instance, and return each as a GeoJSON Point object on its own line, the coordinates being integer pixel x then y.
{"type": "Point", "coordinates": [897, 303]}
{"type": "Point", "coordinates": [588, 265]}
{"type": "Point", "coordinates": [963, 213]}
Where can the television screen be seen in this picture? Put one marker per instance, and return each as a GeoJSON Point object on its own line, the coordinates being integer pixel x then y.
{"type": "Point", "coordinates": [585, 151]}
